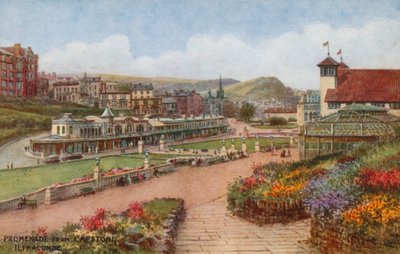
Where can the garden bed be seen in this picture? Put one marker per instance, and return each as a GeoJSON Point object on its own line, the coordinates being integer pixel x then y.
{"type": "Point", "coordinates": [274, 192]}
{"type": "Point", "coordinates": [354, 207]}
{"type": "Point", "coordinates": [149, 227]}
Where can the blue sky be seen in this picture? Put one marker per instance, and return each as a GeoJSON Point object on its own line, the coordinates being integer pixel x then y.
{"type": "Point", "coordinates": [152, 32]}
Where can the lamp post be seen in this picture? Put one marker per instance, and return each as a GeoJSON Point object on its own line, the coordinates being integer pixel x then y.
{"type": "Point", "coordinates": [146, 160]}
{"type": "Point", "coordinates": [97, 175]}
{"type": "Point", "coordinates": [257, 144]}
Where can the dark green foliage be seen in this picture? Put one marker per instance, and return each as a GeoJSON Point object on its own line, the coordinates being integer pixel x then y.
{"type": "Point", "coordinates": [247, 111]}
{"type": "Point", "coordinates": [276, 120]}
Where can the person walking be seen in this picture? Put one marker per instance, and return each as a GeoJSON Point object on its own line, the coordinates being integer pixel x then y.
{"type": "Point", "coordinates": [8, 165]}
{"type": "Point", "coordinates": [12, 165]}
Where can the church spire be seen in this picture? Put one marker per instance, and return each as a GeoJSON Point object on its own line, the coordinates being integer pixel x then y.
{"type": "Point", "coordinates": [220, 92]}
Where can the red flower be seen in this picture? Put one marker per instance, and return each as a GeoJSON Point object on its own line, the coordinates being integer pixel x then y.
{"type": "Point", "coordinates": [135, 210]}
{"type": "Point", "coordinates": [95, 222]}
{"type": "Point", "coordinates": [41, 231]}
{"type": "Point", "coordinates": [380, 180]}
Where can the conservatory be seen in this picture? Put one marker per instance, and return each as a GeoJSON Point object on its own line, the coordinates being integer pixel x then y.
{"type": "Point", "coordinates": [351, 125]}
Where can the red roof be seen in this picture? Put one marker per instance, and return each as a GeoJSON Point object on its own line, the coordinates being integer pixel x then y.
{"type": "Point", "coordinates": [329, 61]}
{"type": "Point", "coordinates": [366, 86]}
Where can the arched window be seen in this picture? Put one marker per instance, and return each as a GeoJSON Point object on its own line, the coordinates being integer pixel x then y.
{"type": "Point", "coordinates": [139, 128]}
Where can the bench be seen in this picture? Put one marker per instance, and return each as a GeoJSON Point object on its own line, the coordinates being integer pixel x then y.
{"type": "Point", "coordinates": [87, 190]}
{"type": "Point", "coordinates": [30, 203]}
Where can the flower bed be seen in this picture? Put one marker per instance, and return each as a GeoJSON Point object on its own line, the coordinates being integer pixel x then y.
{"type": "Point", "coordinates": [273, 193]}
{"type": "Point", "coordinates": [149, 227]}
{"type": "Point", "coordinates": [355, 208]}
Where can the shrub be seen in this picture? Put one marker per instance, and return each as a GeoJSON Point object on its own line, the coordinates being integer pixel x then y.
{"type": "Point", "coordinates": [276, 120]}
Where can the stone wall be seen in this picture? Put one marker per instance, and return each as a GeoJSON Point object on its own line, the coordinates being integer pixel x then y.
{"type": "Point", "coordinates": [270, 211]}
{"type": "Point", "coordinates": [331, 238]}
{"type": "Point", "coordinates": [70, 190]}
{"type": "Point", "coordinates": [12, 203]}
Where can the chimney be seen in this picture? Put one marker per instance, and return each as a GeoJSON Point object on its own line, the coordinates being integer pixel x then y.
{"type": "Point", "coordinates": [17, 49]}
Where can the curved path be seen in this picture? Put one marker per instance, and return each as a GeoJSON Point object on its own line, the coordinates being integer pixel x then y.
{"type": "Point", "coordinates": [13, 151]}
{"type": "Point", "coordinates": [197, 186]}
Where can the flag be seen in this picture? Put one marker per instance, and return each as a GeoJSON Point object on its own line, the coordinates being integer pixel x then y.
{"type": "Point", "coordinates": [325, 44]}
{"type": "Point", "coordinates": [339, 52]}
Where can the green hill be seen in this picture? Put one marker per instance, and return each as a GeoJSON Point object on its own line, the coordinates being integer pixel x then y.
{"type": "Point", "coordinates": [263, 88]}
{"type": "Point", "coordinates": [21, 116]}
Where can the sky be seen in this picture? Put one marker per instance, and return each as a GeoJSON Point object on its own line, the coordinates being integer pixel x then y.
{"type": "Point", "coordinates": [200, 39]}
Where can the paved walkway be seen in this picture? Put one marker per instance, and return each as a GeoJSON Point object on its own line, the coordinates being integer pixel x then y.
{"type": "Point", "coordinates": [243, 129]}
{"type": "Point", "coordinates": [197, 186]}
{"type": "Point", "coordinates": [210, 229]}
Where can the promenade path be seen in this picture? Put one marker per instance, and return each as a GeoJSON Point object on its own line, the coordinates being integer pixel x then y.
{"type": "Point", "coordinates": [197, 186]}
{"type": "Point", "coordinates": [209, 228]}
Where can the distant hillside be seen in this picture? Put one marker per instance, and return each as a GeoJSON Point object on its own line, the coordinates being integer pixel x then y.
{"type": "Point", "coordinates": [200, 86]}
{"type": "Point", "coordinates": [170, 84]}
{"type": "Point", "coordinates": [263, 88]}
{"type": "Point", "coordinates": [146, 80]}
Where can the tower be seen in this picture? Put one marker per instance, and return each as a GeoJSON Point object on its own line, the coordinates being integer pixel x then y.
{"type": "Point", "coordinates": [328, 80]}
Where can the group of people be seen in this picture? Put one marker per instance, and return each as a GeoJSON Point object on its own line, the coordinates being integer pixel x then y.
{"type": "Point", "coordinates": [195, 162]}
{"type": "Point", "coordinates": [236, 155]}
{"type": "Point", "coordinates": [284, 153]}
{"type": "Point", "coordinates": [10, 165]}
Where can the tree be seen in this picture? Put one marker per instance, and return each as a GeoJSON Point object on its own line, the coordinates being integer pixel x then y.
{"type": "Point", "coordinates": [229, 109]}
{"type": "Point", "coordinates": [247, 111]}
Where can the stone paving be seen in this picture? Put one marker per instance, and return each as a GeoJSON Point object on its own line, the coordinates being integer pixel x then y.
{"type": "Point", "coordinates": [210, 229]}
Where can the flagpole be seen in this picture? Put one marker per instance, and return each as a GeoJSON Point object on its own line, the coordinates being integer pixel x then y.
{"type": "Point", "coordinates": [328, 50]}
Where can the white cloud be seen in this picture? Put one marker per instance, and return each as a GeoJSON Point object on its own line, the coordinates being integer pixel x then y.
{"type": "Point", "coordinates": [292, 56]}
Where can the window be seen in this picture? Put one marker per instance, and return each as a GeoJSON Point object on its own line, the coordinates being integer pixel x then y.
{"type": "Point", "coordinates": [333, 105]}
{"type": "Point", "coordinates": [11, 85]}
{"type": "Point", "coordinates": [58, 130]}
{"type": "Point", "coordinates": [4, 92]}
{"type": "Point", "coordinates": [394, 105]}
{"type": "Point", "coordinates": [4, 84]}
{"type": "Point", "coordinates": [328, 71]}
{"type": "Point", "coordinates": [63, 130]}
{"type": "Point", "coordinates": [378, 104]}
{"type": "Point", "coordinates": [71, 129]}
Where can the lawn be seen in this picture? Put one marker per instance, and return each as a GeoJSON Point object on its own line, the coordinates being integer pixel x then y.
{"type": "Point", "coordinates": [265, 126]}
{"type": "Point", "coordinates": [217, 144]}
{"type": "Point", "coordinates": [16, 182]}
